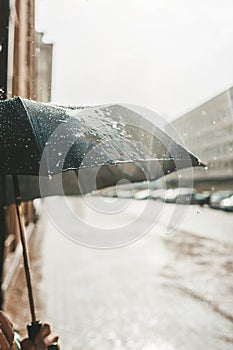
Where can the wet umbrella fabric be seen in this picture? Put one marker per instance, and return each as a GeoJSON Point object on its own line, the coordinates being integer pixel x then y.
{"type": "Point", "coordinates": [45, 139]}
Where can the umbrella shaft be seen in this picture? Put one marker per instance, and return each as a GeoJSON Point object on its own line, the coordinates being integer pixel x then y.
{"type": "Point", "coordinates": [24, 246]}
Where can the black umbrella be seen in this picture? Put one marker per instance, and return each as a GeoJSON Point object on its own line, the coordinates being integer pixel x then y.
{"type": "Point", "coordinates": [45, 139]}
{"type": "Point", "coordinates": [93, 147]}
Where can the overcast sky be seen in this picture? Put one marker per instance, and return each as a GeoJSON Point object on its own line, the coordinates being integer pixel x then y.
{"type": "Point", "coordinates": [166, 55]}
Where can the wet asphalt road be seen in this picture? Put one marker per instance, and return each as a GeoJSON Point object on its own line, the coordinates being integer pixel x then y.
{"type": "Point", "coordinates": [163, 292]}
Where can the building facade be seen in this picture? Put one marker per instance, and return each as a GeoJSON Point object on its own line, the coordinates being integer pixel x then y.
{"type": "Point", "coordinates": [43, 69]}
{"type": "Point", "coordinates": [29, 58]}
{"type": "Point", "coordinates": [207, 131]}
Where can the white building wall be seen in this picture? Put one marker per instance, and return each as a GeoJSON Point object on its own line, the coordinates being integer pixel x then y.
{"type": "Point", "coordinates": [43, 69]}
{"type": "Point", "coordinates": [207, 131]}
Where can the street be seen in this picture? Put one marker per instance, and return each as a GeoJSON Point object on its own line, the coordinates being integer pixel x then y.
{"type": "Point", "coordinates": [162, 292]}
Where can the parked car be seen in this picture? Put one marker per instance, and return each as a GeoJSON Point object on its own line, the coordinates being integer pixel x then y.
{"type": "Point", "coordinates": [187, 198]}
{"type": "Point", "coordinates": [143, 194]}
{"type": "Point", "coordinates": [217, 197]}
{"type": "Point", "coordinates": [157, 194]}
{"type": "Point", "coordinates": [203, 198]}
{"type": "Point", "coordinates": [227, 204]}
{"type": "Point", "coordinates": [170, 196]}
{"type": "Point", "coordinates": [124, 194]}
{"type": "Point", "coordinates": [108, 192]}
{"type": "Point", "coordinates": [152, 194]}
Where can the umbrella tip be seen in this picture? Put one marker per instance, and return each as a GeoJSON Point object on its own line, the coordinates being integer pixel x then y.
{"type": "Point", "coordinates": [202, 164]}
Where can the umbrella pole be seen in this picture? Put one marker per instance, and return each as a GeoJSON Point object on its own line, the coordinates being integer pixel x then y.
{"type": "Point", "coordinates": [24, 246]}
{"type": "Point", "coordinates": [35, 326]}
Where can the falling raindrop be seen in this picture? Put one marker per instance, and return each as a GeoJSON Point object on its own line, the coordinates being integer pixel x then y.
{"type": "Point", "coordinates": [37, 50]}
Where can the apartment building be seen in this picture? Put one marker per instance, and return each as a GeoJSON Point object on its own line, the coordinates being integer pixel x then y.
{"type": "Point", "coordinates": [207, 131]}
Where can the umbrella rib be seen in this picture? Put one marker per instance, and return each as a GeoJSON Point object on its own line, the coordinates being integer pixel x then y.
{"type": "Point", "coordinates": [34, 126]}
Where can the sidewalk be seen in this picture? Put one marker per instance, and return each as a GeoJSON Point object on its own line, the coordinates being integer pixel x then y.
{"type": "Point", "coordinates": [15, 297]}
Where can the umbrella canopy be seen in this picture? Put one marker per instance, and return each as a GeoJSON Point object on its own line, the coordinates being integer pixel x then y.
{"type": "Point", "coordinates": [104, 143]}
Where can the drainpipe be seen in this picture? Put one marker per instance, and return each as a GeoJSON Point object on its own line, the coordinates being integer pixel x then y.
{"type": "Point", "coordinates": [4, 31]}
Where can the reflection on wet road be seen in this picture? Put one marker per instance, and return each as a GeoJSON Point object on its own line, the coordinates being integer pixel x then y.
{"type": "Point", "coordinates": [163, 292]}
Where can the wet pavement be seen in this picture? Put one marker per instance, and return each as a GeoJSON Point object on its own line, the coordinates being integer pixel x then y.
{"type": "Point", "coordinates": [163, 292]}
